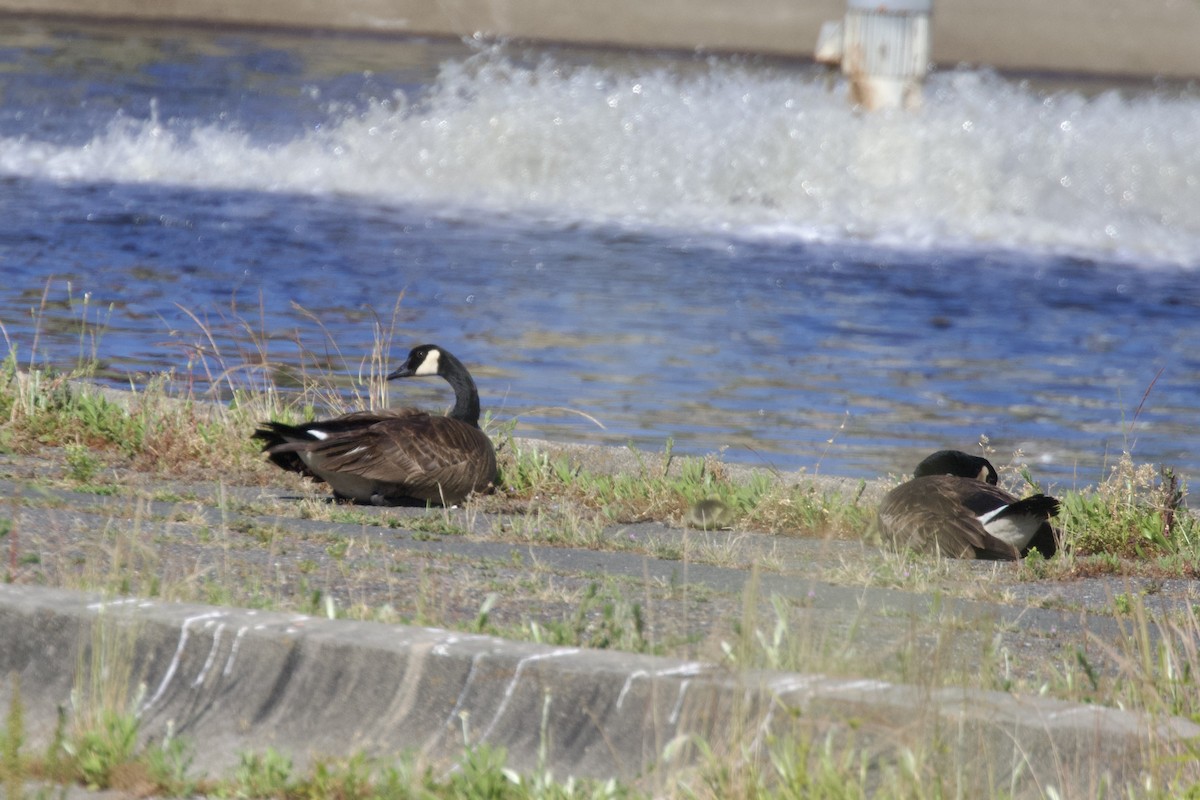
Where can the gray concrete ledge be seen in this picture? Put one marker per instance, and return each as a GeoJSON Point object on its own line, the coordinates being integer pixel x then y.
{"type": "Point", "coordinates": [1113, 37]}
{"type": "Point", "coordinates": [234, 681]}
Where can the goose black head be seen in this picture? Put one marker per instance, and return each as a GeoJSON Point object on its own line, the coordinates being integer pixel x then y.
{"type": "Point", "coordinates": [423, 360]}
{"type": "Point", "coordinates": [959, 464]}
{"type": "Point", "coordinates": [428, 360]}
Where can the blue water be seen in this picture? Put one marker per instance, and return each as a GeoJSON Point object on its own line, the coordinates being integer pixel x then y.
{"type": "Point", "coordinates": [716, 251]}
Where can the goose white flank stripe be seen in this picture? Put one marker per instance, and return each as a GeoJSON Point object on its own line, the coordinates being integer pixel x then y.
{"type": "Point", "coordinates": [984, 519]}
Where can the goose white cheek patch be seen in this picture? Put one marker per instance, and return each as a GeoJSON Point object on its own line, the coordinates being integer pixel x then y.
{"type": "Point", "coordinates": [430, 365]}
{"type": "Point", "coordinates": [322, 435]}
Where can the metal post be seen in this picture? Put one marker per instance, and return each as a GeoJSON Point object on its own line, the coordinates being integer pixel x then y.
{"type": "Point", "coordinates": [883, 47]}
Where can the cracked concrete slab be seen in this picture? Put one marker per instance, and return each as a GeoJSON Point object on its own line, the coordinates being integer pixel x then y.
{"type": "Point", "coordinates": [235, 680]}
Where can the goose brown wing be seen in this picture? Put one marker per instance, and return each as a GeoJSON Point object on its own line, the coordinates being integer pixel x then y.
{"type": "Point", "coordinates": [283, 443]}
{"type": "Point", "coordinates": [978, 497]}
{"type": "Point", "coordinates": [929, 514]}
{"type": "Point", "coordinates": [423, 456]}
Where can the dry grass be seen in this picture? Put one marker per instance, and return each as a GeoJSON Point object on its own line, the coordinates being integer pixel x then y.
{"type": "Point", "coordinates": [234, 551]}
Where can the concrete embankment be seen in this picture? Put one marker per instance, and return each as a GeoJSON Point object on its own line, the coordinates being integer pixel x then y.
{"type": "Point", "coordinates": [236, 681]}
{"type": "Point", "coordinates": [1121, 37]}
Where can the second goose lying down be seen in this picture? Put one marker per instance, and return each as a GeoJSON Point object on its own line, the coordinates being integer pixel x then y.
{"type": "Point", "coordinates": [953, 506]}
{"type": "Point", "coordinates": [395, 457]}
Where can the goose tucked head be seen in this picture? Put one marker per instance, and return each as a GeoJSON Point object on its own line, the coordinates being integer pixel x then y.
{"type": "Point", "coordinates": [423, 361]}
{"type": "Point", "coordinates": [959, 464]}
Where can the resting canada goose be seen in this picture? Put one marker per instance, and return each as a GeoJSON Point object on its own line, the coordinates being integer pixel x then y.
{"type": "Point", "coordinates": [398, 456]}
{"type": "Point", "coordinates": [953, 506]}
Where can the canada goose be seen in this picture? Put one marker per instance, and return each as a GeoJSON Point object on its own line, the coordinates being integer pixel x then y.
{"type": "Point", "coordinates": [953, 505]}
{"type": "Point", "coordinates": [397, 456]}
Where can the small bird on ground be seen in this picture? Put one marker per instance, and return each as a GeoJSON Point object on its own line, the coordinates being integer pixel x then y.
{"type": "Point", "coordinates": [396, 457]}
{"type": "Point", "coordinates": [709, 514]}
{"type": "Point", "coordinates": [953, 506]}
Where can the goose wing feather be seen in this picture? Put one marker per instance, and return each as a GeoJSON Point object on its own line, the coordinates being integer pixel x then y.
{"type": "Point", "coordinates": [938, 513]}
{"type": "Point", "coordinates": [1039, 506]}
{"type": "Point", "coordinates": [421, 455]}
{"type": "Point", "coordinates": [282, 442]}
{"type": "Point", "coordinates": [976, 496]}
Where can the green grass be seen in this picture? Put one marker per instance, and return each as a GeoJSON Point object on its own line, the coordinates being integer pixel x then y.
{"type": "Point", "coordinates": [1134, 523]}
{"type": "Point", "coordinates": [1137, 512]}
{"type": "Point", "coordinates": [12, 765]}
{"type": "Point", "coordinates": [670, 487]}
{"type": "Point", "coordinates": [604, 617]}
{"type": "Point", "coordinates": [105, 752]}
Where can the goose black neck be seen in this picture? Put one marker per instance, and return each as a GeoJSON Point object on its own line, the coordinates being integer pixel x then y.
{"type": "Point", "coordinates": [466, 396]}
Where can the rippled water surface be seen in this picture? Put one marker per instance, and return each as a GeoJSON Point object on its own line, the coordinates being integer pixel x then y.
{"type": "Point", "coordinates": [716, 251]}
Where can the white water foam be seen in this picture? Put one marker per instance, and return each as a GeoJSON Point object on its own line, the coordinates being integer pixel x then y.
{"type": "Point", "coordinates": [716, 148]}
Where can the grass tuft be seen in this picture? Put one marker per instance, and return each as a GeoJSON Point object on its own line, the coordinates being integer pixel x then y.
{"type": "Point", "coordinates": [671, 493]}
{"type": "Point", "coordinates": [12, 766]}
{"type": "Point", "coordinates": [1138, 512]}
